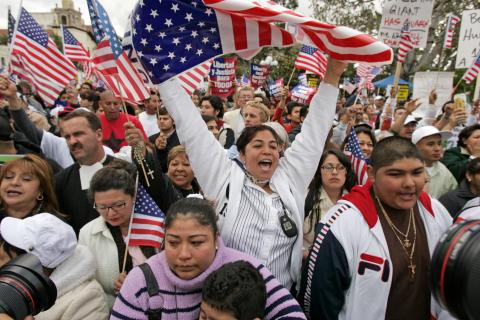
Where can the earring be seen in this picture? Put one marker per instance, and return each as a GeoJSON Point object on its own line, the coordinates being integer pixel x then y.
{"type": "Point", "coordinates": [40, 197]}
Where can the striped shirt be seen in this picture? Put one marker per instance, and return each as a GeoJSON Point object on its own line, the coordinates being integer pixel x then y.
{"type": "Point", "coordinates": [180, 299]}
{"type": "Point", "coordinates": [258, 232]}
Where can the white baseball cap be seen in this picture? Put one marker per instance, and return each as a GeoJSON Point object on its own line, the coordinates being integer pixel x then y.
{"type": "Point", "coordinates": [409, 119]}
{"type": "Point", "coordinates": [50, 239]}
{"type": "Point", "coordinates": [427, 131]}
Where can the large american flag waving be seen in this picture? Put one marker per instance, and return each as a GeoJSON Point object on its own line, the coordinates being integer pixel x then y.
{"type": "Point", "coordinates": [171, 37]}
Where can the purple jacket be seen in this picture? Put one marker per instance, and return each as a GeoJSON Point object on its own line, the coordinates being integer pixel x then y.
{"type": "Point", "coordinates": [180, 299]}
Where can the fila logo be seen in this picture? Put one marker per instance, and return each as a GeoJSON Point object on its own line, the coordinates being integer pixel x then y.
{"type": "Point", "coordinates": [374, 263]}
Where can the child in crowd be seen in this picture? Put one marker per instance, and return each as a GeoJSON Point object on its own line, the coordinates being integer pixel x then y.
{"type": "Point", "coordinates": [235, 291]}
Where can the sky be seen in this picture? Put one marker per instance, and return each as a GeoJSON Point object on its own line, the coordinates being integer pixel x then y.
{"type": "Point", "coordinates": [118, 13]}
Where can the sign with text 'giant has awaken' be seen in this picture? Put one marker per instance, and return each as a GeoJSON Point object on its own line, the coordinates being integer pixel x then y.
{"type": "Point", "coordinates": [468, 39]}
{"type": "Point", "coordinates": [396, 12]}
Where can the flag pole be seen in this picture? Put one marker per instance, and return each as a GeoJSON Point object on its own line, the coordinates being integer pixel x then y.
{"type": "Point", "coordinates": [438, 68]}
{"type": "Point", "coordinates": [136, 152]}
{"type": "Point", "coordinates": [130, 227]}
{"type": "Point", "coordinates": [290, 78]}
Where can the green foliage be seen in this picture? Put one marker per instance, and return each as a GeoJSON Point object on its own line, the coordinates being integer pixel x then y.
{"type": "Point", "coordinates": [3, 40]}
{"type": "Point", "coordinates": [58, 41]}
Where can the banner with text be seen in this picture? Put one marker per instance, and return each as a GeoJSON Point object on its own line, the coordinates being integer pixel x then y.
{"type": "Point", "coordinates": [468, 39]}
{"type": "Point", "coordinates": [258, 75]}
{"type": "Point", "coordinates": [396, 12]}
{"type": "Point", "coordinates": [275, 90]}
{"type": "Point", "coordinates": [222, 75]}
{"type": "Point", "coordinates": [425, 82]}
{"type": "Point", "coordinates": [302, 94]}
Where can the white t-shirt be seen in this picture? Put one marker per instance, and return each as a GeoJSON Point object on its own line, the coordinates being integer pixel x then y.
{"type": "Point", "coordinates": [149, 123]}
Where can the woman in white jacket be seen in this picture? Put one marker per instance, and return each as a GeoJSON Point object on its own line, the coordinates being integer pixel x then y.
{"type": "Point", "coordinates": [259, 199]}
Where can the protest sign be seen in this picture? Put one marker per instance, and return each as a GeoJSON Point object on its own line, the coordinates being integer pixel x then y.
{"type": "Point", "coordinates": [402, 94]}
{"type": "Point", "coordinates": [302, 94]}
{"type": "Point", "coordinates": [258, 75]}
{"type": "Point", "coordinates": [275, 90]}
{"type": "Point", "coordinates": [425, 82]}
{"type": "Point", "coordinates": [468, 39]}
{"type": "Point", "coordinates": [222, 75]}
{"type": "Point", "coordinates": [313, 80]}
{"type": "Point", "coordinates": [396, 12]}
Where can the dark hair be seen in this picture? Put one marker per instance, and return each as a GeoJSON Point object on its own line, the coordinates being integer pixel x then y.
{"type": "Point", "coordinates": [197, 92]}
{"type": "Point", "coordinates": [162, 111]}
{"type": "Point", "coordinates": [473, 166]}
{"type": "Point", "coordinates": [466, 133]}
{"type": "Point", "coordinates": [291, 105]}
{"type": "Point", "coordinates": [445, 105]}
{"type": "Point", "coordinates": [89, 84]}
{"type": "Point", "coordinates": [249, 133]}
{"type": "Point", "coordinates": [216, 103]}
{"type": "Point", "coordinates": [92, 119]}
{"type": "Point", "coordinates": [207, 118]}
{"type": "Point", "coordinates": [391, 149]}
{"type": "Point", "coordinates": [317, 182]}
{"type": "Point", "coordinates": [237, 288]}
{"type": "Point", "coordinates": [361, 128]}
{"type": "Point", "coordinates": [304, 111]}
{"type": "Point", "coordinates": [200, 209]}
{"type": "Point", "coordinates": [117, 175]}
{"type": "Point", "coordinates": [10, 250]}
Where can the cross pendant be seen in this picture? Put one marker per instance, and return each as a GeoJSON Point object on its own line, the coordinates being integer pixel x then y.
{"type": "Point", "coordinates": [412, 270]}
{"type": "Point", "coordinates": [150, 173]}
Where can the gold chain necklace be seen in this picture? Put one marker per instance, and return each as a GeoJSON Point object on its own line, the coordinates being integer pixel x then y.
{"type": "Point", "coordinates": [406, 243]}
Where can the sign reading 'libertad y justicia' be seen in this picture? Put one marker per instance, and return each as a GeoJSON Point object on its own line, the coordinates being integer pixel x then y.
{"type": "Point", "coordinates": [396, 12]}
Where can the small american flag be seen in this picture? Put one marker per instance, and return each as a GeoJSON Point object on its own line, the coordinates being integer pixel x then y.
{"type": "Point", "coordinates": [355, 154]}
{"type": "Point", "coordinates": [147, 226]}
{"type": "Point", "coordinates": [365, 75]}
{"type": "Point", "coordinates": [452, 20]}
{"type": "Point", "coordinates": [15, 66]}
{"type": "Point", "coordinates": [473, 71]}
{"type": "Point", "coordinates": [405, 44]}
{"type": "Point", "coordinates": [11, 26]}
{"type": "Point", "coordinates": [74, 50]}
{"type": "Point", "coordinates": [39, 58]}
{"type": "Point", "coordinates": [311, 59]}
{"type": "Point", "coordinates": [111, 63]}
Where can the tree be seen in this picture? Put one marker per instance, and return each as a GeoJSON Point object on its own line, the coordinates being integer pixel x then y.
{"type": "Point", "coordinates": [362, 15]}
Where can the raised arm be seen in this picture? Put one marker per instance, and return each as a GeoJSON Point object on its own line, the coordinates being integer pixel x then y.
{"type": "Point", "coordinates": [207, 157]}
{"type": "Point", "coordinates": [301, 159]}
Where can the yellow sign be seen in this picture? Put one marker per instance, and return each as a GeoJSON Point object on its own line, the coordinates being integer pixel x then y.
{"type": "Point", "coordinates": [402, 94]}
{"type": "Point", "coordinates": [313, 80]}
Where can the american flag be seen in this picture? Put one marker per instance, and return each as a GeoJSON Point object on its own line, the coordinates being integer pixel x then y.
{"type": "Point", "coordinates": [171, 37]}
{"type": "Point", "coordinates": [473, 71]}
{"type": "Point", "coordinates": [15, 66]}
{"type": "Point", "coordinates": [146, 228]}
{"type": "Point", "coordinates": [405, 44]}
{"type": "Point", "coordinates": [41, 61]}
{"type": "Point", "coordinates": [311, 59]}
{"type": "Point", "coordinates": [340, 43]}
{"type": "Point", "coordinates": [74, 50]}
{"type": "Point", "coordinates": [365, 75]}
{"type": "Point", "coordinates": [111, 63]}
{"type": "Point", "coordinates": [452, 20]}
{"type": "Point", "coordinates": [191, 79]}
{"type": "Point", "coordinates": [355, 154]}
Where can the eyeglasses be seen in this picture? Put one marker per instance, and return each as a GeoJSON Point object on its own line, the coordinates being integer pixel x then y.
{"type": "Point", "coordinates": [115, 207]}
{"type": "Point", "coordinates": [330, 168]}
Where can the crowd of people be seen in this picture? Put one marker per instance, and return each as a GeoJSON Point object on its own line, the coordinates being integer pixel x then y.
{"type": "Point", "coordinates": [264, 213]}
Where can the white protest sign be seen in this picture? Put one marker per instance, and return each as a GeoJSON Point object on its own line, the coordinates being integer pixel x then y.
{"type": "Point", "coordinates": [396, 12]}
{"type": "Point", "coordinates": [468, 39]}
{"type": "Point", "coordinates": [425, 82]}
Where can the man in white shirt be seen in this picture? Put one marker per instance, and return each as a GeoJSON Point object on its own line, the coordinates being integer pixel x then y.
{"type": "Point", "coordinates": [148, 118]}
{"type": "Point", "coordinates": [428, 141]}
{"type": "Point", "coordinates": [234, 118]}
